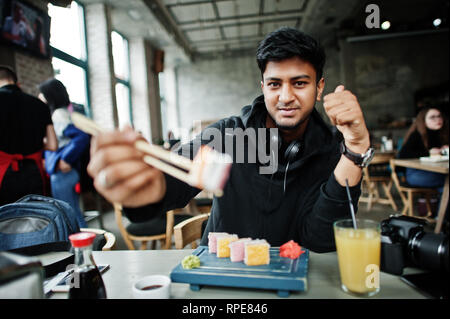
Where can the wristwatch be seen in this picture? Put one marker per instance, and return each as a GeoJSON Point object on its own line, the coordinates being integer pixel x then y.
{"type": "Point", "coordinates": [361, 160]}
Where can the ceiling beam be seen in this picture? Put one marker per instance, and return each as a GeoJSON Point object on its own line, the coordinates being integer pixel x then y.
{"type": "Point", "coordinates": [216, 12]}
{"type": "Point", "coordinates": [247, 16]}
{"type": "Point", "coordinates": [233, 40]}
{"type": "Point", "coordinates": [236, 24]}
{"type": "Point", "coordinates": [225, 54]}
{"type": "Point", "coordinates": [165, 19]}
{"type": "Point", "coordinates": [190, 3]}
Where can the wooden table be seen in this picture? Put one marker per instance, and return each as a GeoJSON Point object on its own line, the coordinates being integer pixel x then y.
{"type": "Point", "coordinates": [437, 167]}
{"type": "Point", "coordinates": [371, 181]}
{"type": "Point", "coordinates": [382, 157]}
{"type": "Point", "coordinates": [323, 278]}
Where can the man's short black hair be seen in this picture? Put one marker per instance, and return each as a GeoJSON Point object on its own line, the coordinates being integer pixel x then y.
{"type": "Point", "coordinates": [6, 73]}
{"type": "Point", "coordinates": [285, 43]}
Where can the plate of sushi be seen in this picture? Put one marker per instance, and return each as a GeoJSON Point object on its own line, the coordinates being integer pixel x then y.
{"type": "Point", "coordinates": [230, 261]}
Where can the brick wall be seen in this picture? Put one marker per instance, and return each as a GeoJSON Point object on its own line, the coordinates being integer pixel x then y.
{"type": "Point", "coordinates": [139, 87]}
{"type": "Point", "coordinates": [101, 78]}
{"type": "Point", "coordinates": [171, 120]}
{"type": "Point", "coordinates": [32, 71]}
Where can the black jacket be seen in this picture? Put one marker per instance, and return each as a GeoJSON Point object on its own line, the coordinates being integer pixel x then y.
{"type": "Point", "coordinates": [255, 205]}
{"type": "Point", "coordinates": [23, 121]}
{"type": "Point", "coordinates": [415, 148]}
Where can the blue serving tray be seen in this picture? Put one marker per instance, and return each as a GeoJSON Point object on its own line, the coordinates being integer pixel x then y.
{"type": "Point", "coordinates": [282, 274]}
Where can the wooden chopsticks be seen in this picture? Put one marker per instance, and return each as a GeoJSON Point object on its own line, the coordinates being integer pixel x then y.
{"type": "Point", "coordinates": [159, 157]}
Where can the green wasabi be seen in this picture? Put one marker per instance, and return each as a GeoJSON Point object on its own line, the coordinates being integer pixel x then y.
{"type": "Point", "coordinates": [190, 262]}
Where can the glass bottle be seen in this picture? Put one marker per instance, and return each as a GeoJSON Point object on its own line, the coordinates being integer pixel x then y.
{"type": "Point", "coordinates": [87, 281]}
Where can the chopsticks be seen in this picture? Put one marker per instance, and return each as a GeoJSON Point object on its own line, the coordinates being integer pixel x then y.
{"type": "Point", "coordinates": [158, 158]}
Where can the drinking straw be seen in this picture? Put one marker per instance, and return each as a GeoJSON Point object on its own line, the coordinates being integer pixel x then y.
{"type": "Point", "coordinates": [350, 202]}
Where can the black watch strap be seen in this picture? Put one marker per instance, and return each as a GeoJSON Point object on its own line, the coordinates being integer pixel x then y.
{"type": "Point", "coordinates": [361, 160]}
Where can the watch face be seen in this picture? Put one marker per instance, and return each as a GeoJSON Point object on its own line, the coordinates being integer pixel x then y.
{"type": "Point", "coordinates": [368, 157]}
{"type": "Point", "coordinates": [362, 160]}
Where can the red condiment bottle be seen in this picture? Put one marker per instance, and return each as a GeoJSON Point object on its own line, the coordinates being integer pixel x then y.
{"type": "Point", "coordinates": [87, 282]}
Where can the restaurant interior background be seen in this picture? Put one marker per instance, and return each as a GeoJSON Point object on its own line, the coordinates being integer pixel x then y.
{"type": "Point", "coordinates": [177, 65]}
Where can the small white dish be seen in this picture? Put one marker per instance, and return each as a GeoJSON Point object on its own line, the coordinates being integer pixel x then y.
{"type": "Point", "coordinates": [439, 158]}
{"type": "Point", "coordinates": [152, 287]}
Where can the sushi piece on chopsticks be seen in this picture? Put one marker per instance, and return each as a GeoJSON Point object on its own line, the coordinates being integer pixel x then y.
{"type": "Point", "coordinates": [209, 170]}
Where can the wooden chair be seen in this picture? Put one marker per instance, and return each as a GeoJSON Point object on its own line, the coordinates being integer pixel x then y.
{"type": "Point", "coordinates": [188, 231]}
{"type": "Point", "coordinates": [110, 238]}
{"type": "Point", "coordinates": [407, 192]}
{"type": "Point", "coordinates": [375, 175]}
{"type": "Point", "coordinates": [155, 229]}
{"type": "Point", "coordinates": [201, 204]}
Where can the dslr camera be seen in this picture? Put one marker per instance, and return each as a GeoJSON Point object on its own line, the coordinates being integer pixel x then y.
{"type": "Point", "coordinates": [405, 243]}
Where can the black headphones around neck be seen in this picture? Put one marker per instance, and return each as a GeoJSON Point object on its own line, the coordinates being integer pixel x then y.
{"type": "Point", "coordinates": [291, 151]}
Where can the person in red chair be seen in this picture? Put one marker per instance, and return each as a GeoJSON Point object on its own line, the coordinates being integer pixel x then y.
{"type": "Point", "coordinates": [26, 129]}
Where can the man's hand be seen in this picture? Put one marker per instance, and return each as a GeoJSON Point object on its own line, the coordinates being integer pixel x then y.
{"type": "Point", "coordinates": [344, 111]}
{"type": "Point", "coordinates": [119, 172]}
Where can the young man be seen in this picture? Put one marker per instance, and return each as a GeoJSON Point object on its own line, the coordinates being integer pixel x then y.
{"type": "Point", "coordinates": [26, 129]}
{"type": "Point", "coordinates": [304, 194]}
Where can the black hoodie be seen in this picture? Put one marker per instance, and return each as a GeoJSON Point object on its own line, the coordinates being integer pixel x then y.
{"type": "Point", "coordinates": [256, 205]}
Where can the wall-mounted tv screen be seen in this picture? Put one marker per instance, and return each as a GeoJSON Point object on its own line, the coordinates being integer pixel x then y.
{"type": "Point", "coordinates": [25, 26]}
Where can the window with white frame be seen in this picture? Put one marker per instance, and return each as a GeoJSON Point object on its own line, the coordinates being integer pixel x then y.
{"type": "Point", "coordinates": [74, 79]}
{"type": "Point", "coordinates": [122, 78]}
{"type": "Point", "coordinates": [68, 42]}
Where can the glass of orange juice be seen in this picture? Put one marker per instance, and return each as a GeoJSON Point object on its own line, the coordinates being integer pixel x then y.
{"type": "Point", "coordinates": [358, 253]}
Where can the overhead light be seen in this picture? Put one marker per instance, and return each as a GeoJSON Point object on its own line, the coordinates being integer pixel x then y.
{"type": "Point", "coordinates": [385, 25]}
{"type": "Point", "coordinates": [136, 15]}
{"type": "Point", "coordinates": [437, 22]}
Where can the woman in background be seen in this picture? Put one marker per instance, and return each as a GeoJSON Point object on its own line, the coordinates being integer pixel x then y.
{"type": "Point", "coordinates": [427, 136]}
{"type": "Point", "coordinates": [62, 165]}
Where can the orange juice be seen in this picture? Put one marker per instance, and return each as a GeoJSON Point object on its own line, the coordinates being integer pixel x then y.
{"type": "Point", "coordinates": [358, 253]}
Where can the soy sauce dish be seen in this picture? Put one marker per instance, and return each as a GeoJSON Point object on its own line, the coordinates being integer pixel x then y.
{"type": "Point", "coordinates": [152, 287]}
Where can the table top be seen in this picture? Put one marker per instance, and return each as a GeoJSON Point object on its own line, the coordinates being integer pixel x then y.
{"type": "Point", "coordinates": [382, 157]}
{"type": "Point", "coordinates": [127, 266]}
{"type": "Point", "coordinates": [438, 167]}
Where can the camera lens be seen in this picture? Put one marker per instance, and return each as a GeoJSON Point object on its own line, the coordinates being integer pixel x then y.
{"type": "Point", "coordinates": [429, 251]}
